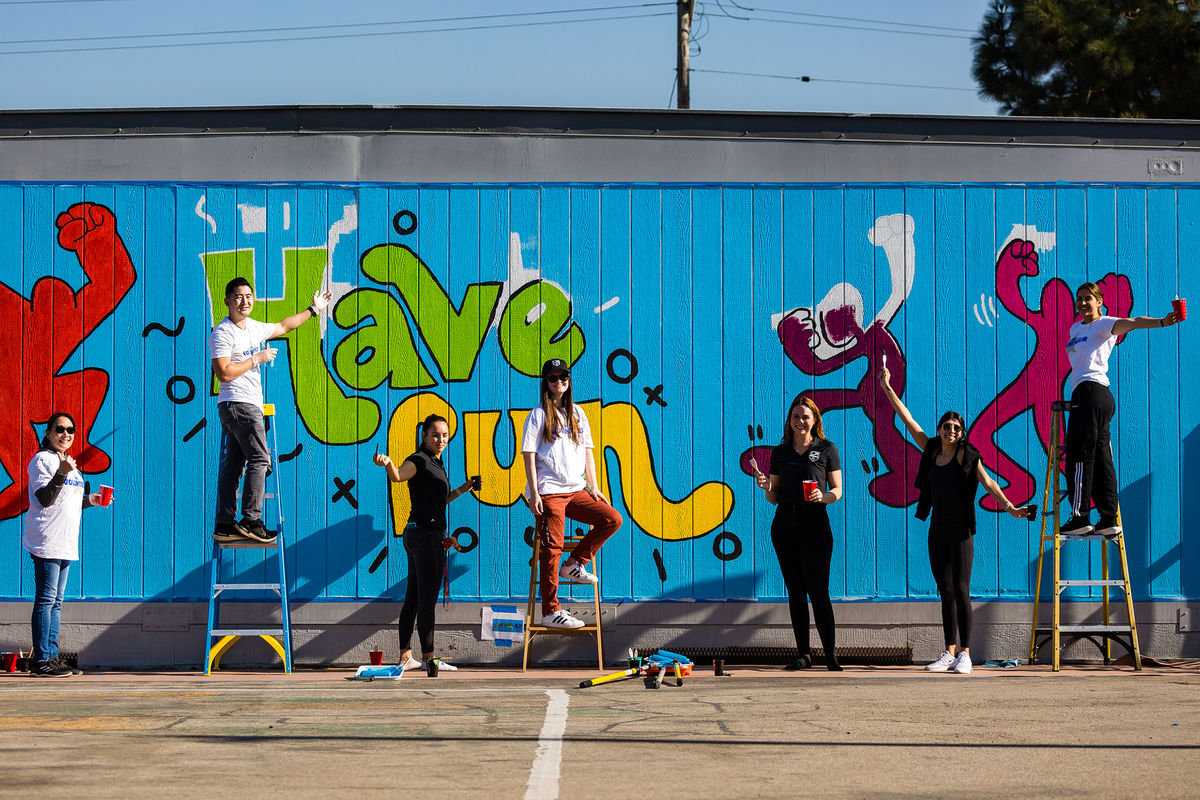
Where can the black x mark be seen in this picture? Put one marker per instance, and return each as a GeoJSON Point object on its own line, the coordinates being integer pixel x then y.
{"type": "Point", "coordinates": [654, 395]}
{"type": "Point", "coordinates": [344, 491]}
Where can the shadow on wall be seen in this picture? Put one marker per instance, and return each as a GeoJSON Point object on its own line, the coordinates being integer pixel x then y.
{"type": "Point", "coordinates": [1189, 477]}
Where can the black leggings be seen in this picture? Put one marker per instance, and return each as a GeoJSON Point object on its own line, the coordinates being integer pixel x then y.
{"type": "Point", "coordinates": [426, 564]}
{"type": "Point", "coordinates": [951, 554]}
{"type": "Point", "coordinates": [803, 544]}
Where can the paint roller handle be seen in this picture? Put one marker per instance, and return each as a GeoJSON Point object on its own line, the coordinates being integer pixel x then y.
{"type": "Point", "coordinates": [616, 676]}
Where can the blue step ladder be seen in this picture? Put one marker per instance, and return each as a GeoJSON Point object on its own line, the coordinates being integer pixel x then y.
{"type": "Point", "coordinates": [280, 639]}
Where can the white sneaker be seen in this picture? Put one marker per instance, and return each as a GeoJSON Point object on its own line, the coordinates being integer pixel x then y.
{"type": "Point", "coordinates": [411, 663]}
{"type": "Point", "coordinates": [962, 664]}
{"type": "Point", "coordinates": [561, 619]}
{"type": "Point", "coordinates": [574, 571]}
{"type": "Point", "coordinates": [443, 664]}
{"type": "Point", "coordinates": [943, 664]}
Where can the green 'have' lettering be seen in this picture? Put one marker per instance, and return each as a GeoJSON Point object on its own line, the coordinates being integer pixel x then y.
{"type": "Point", "coordinates": [326, 411]}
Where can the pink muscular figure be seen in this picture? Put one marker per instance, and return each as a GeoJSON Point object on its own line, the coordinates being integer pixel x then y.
{"type": "Point", "coordinates": [1040, 381]}
{"type": "Point", "coordinates": [39, 335]}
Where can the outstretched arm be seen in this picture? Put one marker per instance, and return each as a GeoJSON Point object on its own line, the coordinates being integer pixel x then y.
{"type": "Point", "coordinates": [885, 380]}
{"type": "Point", "coordinates": [1126, 324]}
{"type": "Point", "coordinates": [995, 491]}
{"type": "Point", "coordinates": [404, 472]}
{"type": "Point", "coordinates": [319, 302]}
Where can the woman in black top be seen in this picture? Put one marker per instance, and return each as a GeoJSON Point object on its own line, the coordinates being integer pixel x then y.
{"type": "Point", "coordinates": [429, 491]}
{"type": "Point", "coordinates": [948, 479]}
{"type": "Point", "coordinates": [800, 532]}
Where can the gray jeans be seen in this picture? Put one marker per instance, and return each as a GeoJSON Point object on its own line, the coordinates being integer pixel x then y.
{"type": "Point", "coordinates": [244, 445]}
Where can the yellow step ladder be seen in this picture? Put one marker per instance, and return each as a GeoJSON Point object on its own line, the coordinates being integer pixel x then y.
{"type": "Point", "coordinates": [1104, 634]}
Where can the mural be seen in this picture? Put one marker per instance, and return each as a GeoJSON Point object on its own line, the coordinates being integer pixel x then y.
{"type": "Point", "coordinates": [691, 316]}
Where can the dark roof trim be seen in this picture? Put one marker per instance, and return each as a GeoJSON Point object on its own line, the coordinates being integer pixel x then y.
{"type": "Point", "coordinates": [596, 122]}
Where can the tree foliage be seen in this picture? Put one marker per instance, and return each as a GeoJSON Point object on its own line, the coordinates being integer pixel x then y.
{"type": "Point", "coordinates": [1094, 58]}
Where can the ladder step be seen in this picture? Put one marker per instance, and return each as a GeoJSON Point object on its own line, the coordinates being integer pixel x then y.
{"type": "Point", "coordinates": [246, 632]}
{"type": "Point", "coordinates": [1088, 537]}
{"type": "Point", "coordinates": [217, 587]}
{"type": "Point", "coordinates": [1094, 628]}
{"type": "Point", "coordinates": [1091, 583]}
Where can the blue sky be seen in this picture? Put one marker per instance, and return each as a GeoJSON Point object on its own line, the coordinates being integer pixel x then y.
{"type": "Point", "coordinates": [131, 53]}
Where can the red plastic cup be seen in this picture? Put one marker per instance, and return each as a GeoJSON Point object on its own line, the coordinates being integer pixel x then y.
{"type": "Point", "coordinates": [1180, 306]}
{"type": "Point", "coordinates": [10, 661]}
{"type": "Point", "coordinates": [377, 658]}
{"type": "Point", "coordinates": [809, 486]}
{"type": "Point", "coordinates": [106, 493]}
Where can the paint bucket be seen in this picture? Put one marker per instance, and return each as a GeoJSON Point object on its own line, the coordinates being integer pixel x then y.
{"type": "Point", "coordinates": [718, 667]}
{"type": "Point", "coordinates": [9, 661]}
{"type": "Point", "coordinates": [431, 667]}
{"type": "Point", "coordinates": [1180, 306]}
{"type": "Point", "coordinates": [106, 494]}
{"type": "Point", "coordinates": [376, 658]}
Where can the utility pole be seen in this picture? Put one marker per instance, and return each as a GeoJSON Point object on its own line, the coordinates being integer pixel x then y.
{"type": "Point", "coordinates": [684, 10]}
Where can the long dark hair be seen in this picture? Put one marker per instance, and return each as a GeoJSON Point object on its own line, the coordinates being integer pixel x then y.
{"type": "Point", "coordinates": [428, 424]}
{"type": "Point", "coordinates": [818, 430]}
{"type": "Point", "coordinates": [50, 425]}
{"type": "Point", "coordinates": [955, 417]}
{"type": "Point", "coordinates": [550, 425]}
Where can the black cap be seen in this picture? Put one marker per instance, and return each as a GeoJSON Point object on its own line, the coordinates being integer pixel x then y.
{"type": "Point", "coordinates": [555, 365]}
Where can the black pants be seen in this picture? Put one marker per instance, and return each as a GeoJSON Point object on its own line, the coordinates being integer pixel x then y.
{"type": "Point", "coordinates": [951, 554]}
{"type": "Point", "coordinates": [803, 544]}
{"type": "Point", "coordinates": [1090, 470]}
{"type": "Point", "coordinates": [426, 564]}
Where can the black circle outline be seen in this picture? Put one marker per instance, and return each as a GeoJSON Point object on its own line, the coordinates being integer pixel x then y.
{"type": "Point", "coordinates": [633, 365]}
{"type": "Point", "coordinates": [724, 536]}
{"type": "Point", "coordinates": [400, 229]}
{"type": "Point", "coordinates": [529, 532]}
{"type": "Point", "coordinates": [466, 548]}
{"type": "Point", "coordinates": [191, 394]}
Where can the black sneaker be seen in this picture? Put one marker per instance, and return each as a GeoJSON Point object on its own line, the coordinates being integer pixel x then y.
{"type": "Point", "coordinates": [1077, 526]}
{"type": "Point", "coordinates": [254, 529]}
{"type": "Point", "coordinates": [62, 662]}
{"type": "Point", "coordinates": [50, 669]}
{"type": "Point", "coordinates": [225, 532]}
{"type": "Point", "coordinates": [1108, 527]}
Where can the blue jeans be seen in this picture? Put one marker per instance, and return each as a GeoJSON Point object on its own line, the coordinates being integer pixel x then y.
{"type": "Point", "coordinates": [50, 580]}
{"type": "Point", "coordinates": [245, 446]}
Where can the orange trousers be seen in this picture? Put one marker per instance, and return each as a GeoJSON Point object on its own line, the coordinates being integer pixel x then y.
{"type": "Point", "coordinates": [556, 509]}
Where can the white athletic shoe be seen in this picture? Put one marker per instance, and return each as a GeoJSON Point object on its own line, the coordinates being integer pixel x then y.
{"type": "Point", "coordinates": [443, 664]}
{"type": "Point", "coordinates": [943, 664]}
{"type": "Point", "coordinates": [962, 664]}
{"type": "Point", "coordinates": [411, 663]}
{"type": "Point", "coordinates": [561, 619]}
{"type": "Point", "coordinates": [574, 571]}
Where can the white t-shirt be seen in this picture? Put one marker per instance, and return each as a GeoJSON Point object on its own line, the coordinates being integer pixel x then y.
{"type": "Point", "coordinates": [1088, 349]}
{"type": "Point", "coordinates": [560, 464]}
{"type": "Point", "coordinates": [227, 340]}
{"type": "Point", "coordinates": [53, 532]}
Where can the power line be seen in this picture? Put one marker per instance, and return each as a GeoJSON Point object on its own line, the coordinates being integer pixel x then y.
{"type": "Point", "coordinates": [846, 19]}
{"type": "Point", "coordinates": [928, 30]}
{"type": "Point", "coordinates": [807, 79]}
{"type": "Point", "coordinates": [334, 35]}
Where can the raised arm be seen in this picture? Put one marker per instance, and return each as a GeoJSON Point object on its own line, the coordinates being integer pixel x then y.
{"type": "Point", "coordinates": [1126, 324]}
{"type": "Point", "coordinates": [319, 302]}
{"type": "Point", "coordinates": [404, 472]}
{"type": "Point", "coordinates": [995, 491]}
{"type": "Point", "coordinates": [885, 381]}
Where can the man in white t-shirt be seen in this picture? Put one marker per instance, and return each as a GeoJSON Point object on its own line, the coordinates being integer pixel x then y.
{"type": "Point", "coordinates": [237, 346]}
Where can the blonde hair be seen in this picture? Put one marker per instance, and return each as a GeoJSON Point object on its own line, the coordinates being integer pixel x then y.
{"type": "Point", "coordinates": [1092, 289]}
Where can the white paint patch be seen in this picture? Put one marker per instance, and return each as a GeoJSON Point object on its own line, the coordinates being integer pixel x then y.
{"type": "Point", "coordinates": [608, 305]}
{"type": "Point", "coordinates": [347, 224]}
{"type": "Point", "coordinates": [547, 760]}
{"type": "Point", "coordinates": [1044, 241]}
{"type": "Point", "coordinates": [287, 216]}
{"type": "Point", "coordinates": [254, 218]}
{"type": "Point", "coordinates": [519, 277]}
{"type": "Point", "coordinates": [535, 313]}
{"type": "Point", "coordinates": [200, 213]}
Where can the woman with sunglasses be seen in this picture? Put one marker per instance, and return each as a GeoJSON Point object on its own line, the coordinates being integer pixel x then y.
{"type": "Point", "coordinates": [948, 479]}
{"type": "Point", "coordinates": [560, 473]}
{"type": "Point", "coordinates": [56, 501]}
{"type": "Point", "coordinates": [424, 536]}
{"type": "Point", "coordinates": [1090, 470]}
{"type": "Point", "coordinates": [805, 476]}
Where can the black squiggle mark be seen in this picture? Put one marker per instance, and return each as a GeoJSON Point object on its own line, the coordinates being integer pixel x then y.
{"type": "Point", "coordinates": [195, 429]}
{"type": "Point", "coordinates": [760, 433]}
{"type": "Point", "coordinates": [344, 491]}
{"type": "Point", "coordinates": [529, 531]}
{"type": "Point", "coordinates": [866, 467]}
{"type": "Point", "coordinates": [158, 326]}
{"type": "Point", "coordinates": [289, 456]}
{"type": "Point", "coordinates": [187, 383]}
{"type": "Point", "coordinates": [719, 552]}
{"type": "Point", "coordinates": [378, 560]}
{"type": "Point", "coordinates": [662, 570]}
{"type": "Point", "coordinates": [875, 463]}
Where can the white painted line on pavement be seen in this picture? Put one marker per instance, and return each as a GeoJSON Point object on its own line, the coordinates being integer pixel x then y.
{"type": "Point", "coordinates": [543, 777]}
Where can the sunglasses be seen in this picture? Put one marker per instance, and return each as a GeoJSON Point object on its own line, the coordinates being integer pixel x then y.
{"type": "Point", "coordinates": [950, 426]}
{"type": "Point", "coordinates": [558, 379]}
{"type": "Point", "coordinates": [64, 429]}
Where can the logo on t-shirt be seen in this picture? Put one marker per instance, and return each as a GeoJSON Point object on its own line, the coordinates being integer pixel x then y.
{"type": "Point", "coordinates": [814, 456]}
{"type": "Point", "coordinates": [1076, 340]}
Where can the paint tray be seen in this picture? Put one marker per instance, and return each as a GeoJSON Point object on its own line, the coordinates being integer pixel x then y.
{"type": "Point", "coordinates": [373, 673]}
{"type": "Point", "coordinates": [684, 669]}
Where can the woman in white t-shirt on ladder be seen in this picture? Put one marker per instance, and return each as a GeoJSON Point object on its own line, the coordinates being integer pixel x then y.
{"type": "Point", "coordinates": [1090, 471]}
{"type": "Point", "coordinates": [560, 472]}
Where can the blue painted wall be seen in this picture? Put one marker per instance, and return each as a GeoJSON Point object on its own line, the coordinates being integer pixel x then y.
{"type": "Point", "coordinates": [687, 311]}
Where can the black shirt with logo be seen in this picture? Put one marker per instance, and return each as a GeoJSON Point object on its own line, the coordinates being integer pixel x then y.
{"type": "Point", "coordinates": [428, 490]}
{"type": "Point", "coordinates": [814, 464]}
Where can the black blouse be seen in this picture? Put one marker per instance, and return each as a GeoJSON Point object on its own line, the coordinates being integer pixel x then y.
{"type": "Point", "coordinates": [814, 464]}
{"type": "Point", "coordinates": [429, 490]}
